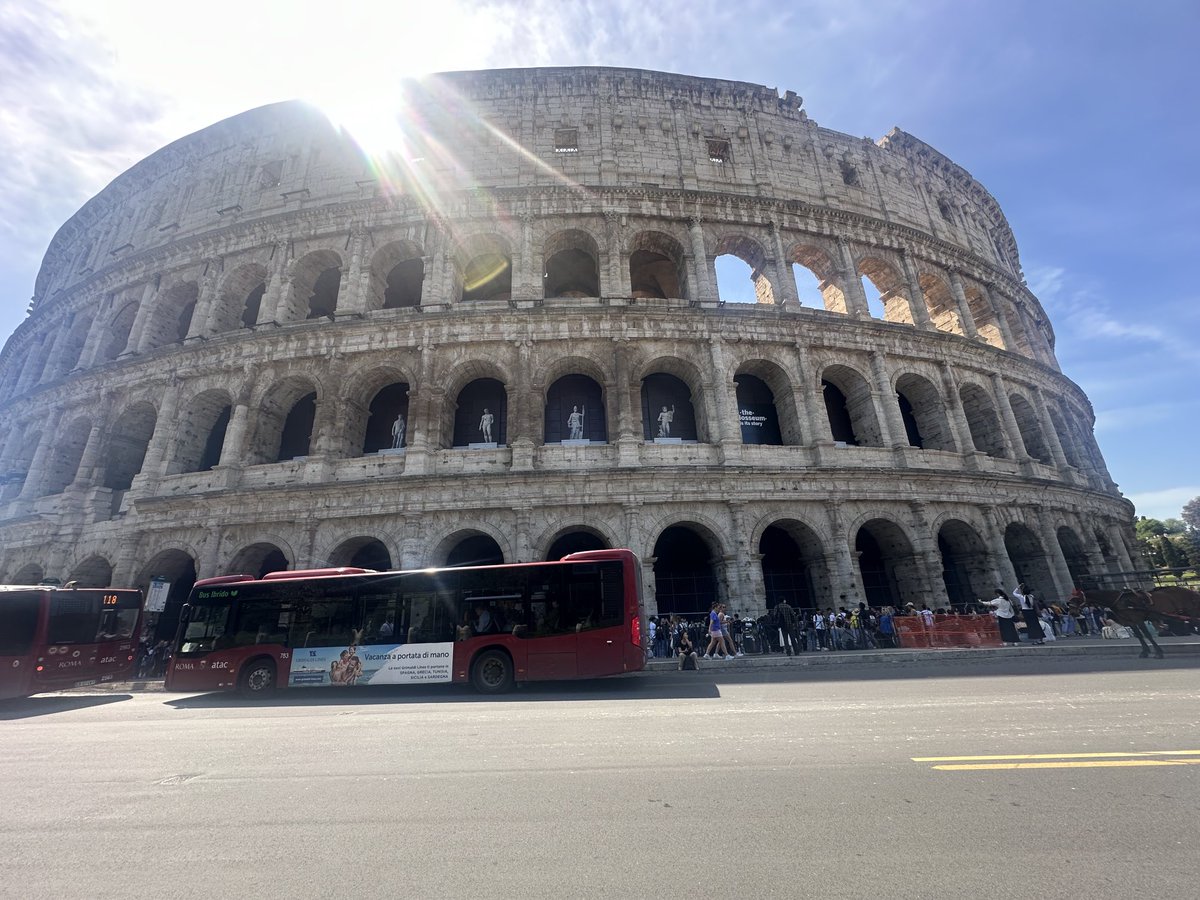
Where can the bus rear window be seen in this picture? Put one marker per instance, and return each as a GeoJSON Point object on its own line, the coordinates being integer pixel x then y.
{"type": "Point", "coordinates": [74, 619]}
{"type": "Point", "coordinates": [18, 622]}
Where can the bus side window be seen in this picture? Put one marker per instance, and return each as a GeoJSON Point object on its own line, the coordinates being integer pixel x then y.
{"type": "Point", "coordinates": [592, 595]}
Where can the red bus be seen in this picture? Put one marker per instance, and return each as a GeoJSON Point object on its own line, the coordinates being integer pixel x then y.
{"type": "Point", "coordinates": [491, 626]}
{"type": "Point", "coordinates": [53, 638]}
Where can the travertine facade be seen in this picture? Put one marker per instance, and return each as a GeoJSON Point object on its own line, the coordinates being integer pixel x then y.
{"type": "Point", "coordinates": [221, 341]}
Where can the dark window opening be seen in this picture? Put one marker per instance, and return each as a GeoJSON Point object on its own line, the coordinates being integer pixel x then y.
{"type": "Point", "coordinates": [910, 422]}
{"type": "Point", "coordinates": [297, 429]}
{"type": "Point", "coordinates": [185, 321]}
{"type": "Point", "coordinates": [840, 424]}
{"type": "Point", "coordinates": [566, 140]}
{"type": "Point", "coordinates": [252, 305]}
{"type": "Point", "coordinates": [404, 285]}
{"type": "Point", "coordinates": [849, 174]}
{"type": "Point", "coordinates": [324, 297]}
{"type": "Point", "coordinates": [216, 440]}
{"type": "Point", "coordinates": [718, 151]}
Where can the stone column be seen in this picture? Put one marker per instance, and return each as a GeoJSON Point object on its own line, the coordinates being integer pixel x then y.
{"type": "Point", "coordinates": [233, 448]}
{"type": "Point", "coordinates": [929, 558]}
{"type": "Point", "coordinates": [964, 307]}
{"type": "Point", "coordinates": [166, 426]}
{"type": "Point", "coordinates": [424, 410]}
{"type": "Point", "coordinates": [1095, 559]}
{"type": "Point", "coordinates": [137, 339]}
{"type": "Point", "coordinates": [1063, 582]}
{"type": "Point", "coordinates": [887, 405]}
{"type": "Point", "coordinates": [958, 418]}
{"type": "Point", "coordinates": [705, 291]}
{"type": "Point", "coordinates": [86, 473]}
{"type": "Point", "coordinates": [1052, 441]}
{"type": "Point", "coordinates": [785, 280]}
{"type": "Point", "coordinates": [1006, 575]}
{"type": "Point", "coordinates": [206, 298]}
{"type": "Point", "coordinates": [856, 297]}
{"type": "Point", "coordinates": [629, 434]}
{"type": "Point", "coordinates": [631, 515]}
{"type": "Point", "coordinates": [726, 430]}
{"type": "Point", "coordinates": [329, 422]}
{"type": "Point", "coordinates": [745, 576]}
{"type": "Point", "coordinates": [433, 264]}
{"type": "Point", "coordinates": [352, 298]}
{"type": "Point", "coordinates": [847, 575]}
{"type": "Point", "coordinates": [1119, 547]}
{"type": "Point", "coordinates": [997, 303]}
{"type": "Point", "coordinates": [916, 296]}
{"type": "Point", "coordinates": [520, 410]}
{"type": "Point", "coordinates": [97, 331]}
{"type": "Point", "coordinates": [810, 402]}
{"type": "Point", "coordinates": [522, 540]}
{"type": "Point", "coordinates": [528, 283]}
{"type": "Point", "coordinates": [411, 544]}
{"type": "Point", "coordinates": [614, 280]}
{"type": "Point", "coordinates": [274, 305]}
{"type": "Point", "coordinates": [1008, 420]}
{"type": "Point", "coordinates": [53, 365]}
{"type": "Point", "coordinates": [41, 456]}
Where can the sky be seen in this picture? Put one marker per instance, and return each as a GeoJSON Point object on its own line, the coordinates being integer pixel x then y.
{"type": "Point", "coordinates": [1081, 118]}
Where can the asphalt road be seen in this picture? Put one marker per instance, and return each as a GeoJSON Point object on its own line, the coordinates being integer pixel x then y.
{"type": "Point", "coordinates": [711, 784]}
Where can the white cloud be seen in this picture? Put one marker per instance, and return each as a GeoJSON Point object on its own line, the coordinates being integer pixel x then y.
{"type": "Point", "coordinates": [1166, 503]}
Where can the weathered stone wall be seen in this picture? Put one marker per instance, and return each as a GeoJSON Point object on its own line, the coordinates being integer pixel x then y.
{"type": "Point", "coordinates": [188, 316]}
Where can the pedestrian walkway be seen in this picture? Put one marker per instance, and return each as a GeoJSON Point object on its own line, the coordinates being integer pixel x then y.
{"type": "Point", "coordinates": [1065, 647]}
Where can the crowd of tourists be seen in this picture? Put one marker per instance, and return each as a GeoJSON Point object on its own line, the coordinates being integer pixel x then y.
{"type": "Point", "coordinates": [722, 635]}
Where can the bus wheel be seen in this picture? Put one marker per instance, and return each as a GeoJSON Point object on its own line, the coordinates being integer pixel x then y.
{"type": "Point", "coordinates": [492, 672]}
{"type": "Point", "coordinates": [258, 679]}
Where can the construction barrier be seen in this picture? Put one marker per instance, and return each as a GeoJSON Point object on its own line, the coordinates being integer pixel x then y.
{"type": "Point", "coordinates": [947, 632]}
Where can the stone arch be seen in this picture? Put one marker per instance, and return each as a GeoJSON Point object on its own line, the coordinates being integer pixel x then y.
{"type": "Point", "coordinates": [893, 290]}
{"type": "Point", "coordinates": [128, 440]}
{"type": "Point", "coordinates": [672, 383]}
{"type": "Point", "coordinates": [1067, 438]}
{"type": "Point", "coordinates": [473, 405]}
{"type": "Point", "coordinates": [571, 265]}
{"type": "Point", "coordinates": [688, 564]}
{"type": "Point", "coordinates": [570, 396]}
{"type": "Point", "coordinates": [483, 269]}
{"type": "Point", "coordinates": [818, 263]}
{"type": "Point", "coordinates": [575, 540]}
{"type": "Point", "coordinates": [316, 280]}
{"type": "Point", "coordinates": [178, 566]}
{"type": "Point", "coordinates": [966, 567]}
{"type": "Point", "coordinates": [397, 276]}
{"type": "Point", "coordinates": [117, 337]}
{"type": "Point", "coordinates": [93, 572]}
{"type": "Point", "coordinates": [986, 322]}
{"type": "Point", "coordinates": [202, 429]}
{"type": "Point", "coordinates": [261, 558]}
{"type": "Point", "coordinates": [849, 407]}
{"type": "Point", "coordinates": [284, 426]}
{"type": "Point", "coordinates": [778, 381]}
{"type": "Point", "coordinates": [657, 266]}
{"type": "Point", "coordinates": [891, 573]}
{"type": "Point", "coordinates": [923, 413]}
{"type": "Point", "coordinates": [1074, 554]}
{"type": "Point", "coordinates": [71, 347]}
{"type": "Point", "coordinates": [387, 420]}
{"type": "Point", "coordinates": [943, 310]}
{"type": "Point", "coordinates": [1030, 429]}
{"type": "Point", "coordinates": [794, 567]}
{"type": "Point", "coordinates": [12, 481]}
{"type": "Point", "coordinates": [453, 383]}
{"type": "Point", "coordinates": [477, 544]}
{"type": "Point", "coordinates": [750, 252]}
{"type": "Point", "coordinates": [30, 573]}
{"type": "Point", "coordinates": [362, 551]}
{"type": "Point", "coordinates": [239, 302]}
{"type": "Point", "coordinates": [564, 525]}
{"type": "Point", "coordinates": [63, 464]}
{"type": "Point", "coordinates": [1028, 559]}
{"type": "Point", "coordinates": [982, 420]}
{"type": "Point", "coordinates": [171, 317]}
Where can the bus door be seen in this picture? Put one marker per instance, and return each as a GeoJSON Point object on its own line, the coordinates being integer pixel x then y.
{"type": "Point", "coordinates": [593, 593]}
{"type": "Point", "coordinates": [18, 627]}
{"type": "Point", "coordinates": [553, 644]}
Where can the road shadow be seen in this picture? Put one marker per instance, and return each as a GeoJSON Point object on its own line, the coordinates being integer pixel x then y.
{"type": "Point", "coordinates": [49, 704]}
{"type": "Point", "coordinates": [638, 686]}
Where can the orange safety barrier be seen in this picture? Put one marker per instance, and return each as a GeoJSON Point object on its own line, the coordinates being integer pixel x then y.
{"type": "Point", "coordinates": [947, 632]}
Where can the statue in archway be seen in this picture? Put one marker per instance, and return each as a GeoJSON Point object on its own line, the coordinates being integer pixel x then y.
{"type": "Point", "coordinates": [665, 418]}
{"type": "Point", "coordinates": [575, 423]}
{"type": "Point", "coordinates": [485, 425]}
{"type": "Point", "coordinates": [398, 429]}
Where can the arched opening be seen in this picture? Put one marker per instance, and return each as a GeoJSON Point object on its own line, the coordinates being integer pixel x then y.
{"type": "Point", "coordinates": [656, 266]}
{"type": "Point", "coordinates": [387, 424]}
{"type": "Point", "coordinates": [93, 572]}
{"type": "Point", "coordinates": [923, 413]}
{"type": "Point", "coordinates": [685, 578]}
{"type": "Point", "coordinates": [667, 411]}
{"type": "Point", "coordinates": [982, 420]}
{"type": "Point", "coordinates": [316, 280]}
{"type": "Point", "coordinates": [486, 272]}
{"type": "Point", "coordinates": [943, 311]}
{"type": "Point", "coordinates": [202, 433]}
{"type": "Point", "coordinates": [118, 332]}
{"type": "Point", "coordinates": [364, 553]}
{"type": "Point", "coordinates": [252, 305]}
{"type": "Point", "coordinates": [740, 265]}
{"type": "Point", "coordinates": [1029, 560]}
{"type": "Point", "coordinates": [65, 457]}
{"type": "Point", "coordinates": [756, 411]}
{"type": "Point", "coordinates": [887, 293]}
{"type": "Point", "coordinates": [30, 573]}
{"type": "Point", "coordinates": [259, 559]}
{"type": "Point", "coordinates": [1074, 554]}
{"type": "Point", "coordinates": [178, 568]}
{"type": "Point", "coordinates": [575, 411]}
{"type": "Point", "coordinates": [890, 573]}
{"type": "Point", "coordinates": [793, 565]}
{"type": "Point", "coordinates": [128, 441]}
{"type": "Point", "coordinates": [1066, 439]}
{"type": "Point", "coordinates": [985, 318]}
{"type": "Point", "coordinates": [966, 572]}
{"type": "Point", "coordinates": [1112, 562]}
{"type": "Point", "coordinates": [397, 276]}
{"type": "Point", "coordinates": [1030, 429]}
{"type": "Point", "coordinates": [240, 299]}
{"type": "Point", "coordinates": [811, 264]}
{"type": "Point", "coordinates": [571, 265]}
{"type": "Point", "coordinates": [322, 303]}
{"type": "Point", "coordinates": [72, 346]}
{"type": "Point", "coordinates": [575, 541]}
{"type": "Point", "coordinates": [404, 283]}
{"type": "Point", "coordinates": [172, 316]}
{"type": "Point", "coordinates": [481, 416]}
{"type": "Point", "coordinates": [475, 550]}
{"type": "Point", "coordinates": [12, 482]}
{"type": "Point", "coordinates": [849, 407]}
{"type": "Point", "coordinates": [295, 437]}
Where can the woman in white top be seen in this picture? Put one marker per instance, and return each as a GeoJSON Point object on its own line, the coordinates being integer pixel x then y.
{"type": "Point", "coordinates": [1005, 614]}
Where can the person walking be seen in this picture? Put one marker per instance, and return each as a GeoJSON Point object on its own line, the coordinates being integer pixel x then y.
{"type": "Point", "coordinates": [785, 620]}
{"type": "Point", "coordinates": [1029, 612]}
{"type": "Point", "coordinates": [1005, 614]}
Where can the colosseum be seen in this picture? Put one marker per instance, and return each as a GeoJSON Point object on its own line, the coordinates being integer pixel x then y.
{"type": "Point", "coordinates": [503, 340]}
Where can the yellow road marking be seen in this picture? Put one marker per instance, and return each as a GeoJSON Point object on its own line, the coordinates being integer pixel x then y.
{"type": "Point", "coordinates": [1076, 764]}
{"type": "Point", "coordinates": [1057, 756]}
